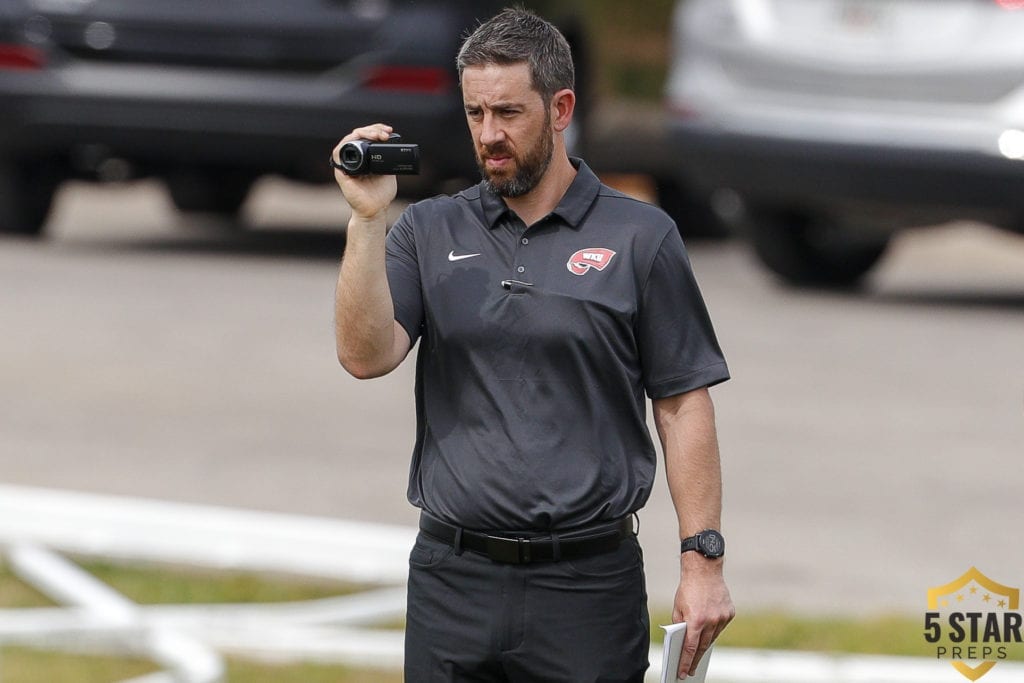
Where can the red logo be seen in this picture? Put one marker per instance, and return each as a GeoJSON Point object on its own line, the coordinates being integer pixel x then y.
{"type": "Point", "coordinates": [585, 259]}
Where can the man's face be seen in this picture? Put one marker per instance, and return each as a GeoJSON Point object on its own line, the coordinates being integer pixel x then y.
{"type": "Point", "coordinates": [511, 127]}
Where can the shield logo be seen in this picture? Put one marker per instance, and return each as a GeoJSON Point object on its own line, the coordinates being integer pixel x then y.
{"type": "Point", "coordinates": [973, 592]}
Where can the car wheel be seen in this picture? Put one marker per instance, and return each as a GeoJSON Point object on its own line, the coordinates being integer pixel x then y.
{"type": "Point", "coordinates": [693, 216]}
{"type": "Point", "coordinates": [26, 195]}
{"type": "Point", "coordinates": [220, 191]}
{"type": "Point", "coordinates": [809, 250]}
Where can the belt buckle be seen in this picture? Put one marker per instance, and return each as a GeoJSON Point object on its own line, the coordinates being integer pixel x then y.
{"type": "Point", "coordinates": [509, 550]}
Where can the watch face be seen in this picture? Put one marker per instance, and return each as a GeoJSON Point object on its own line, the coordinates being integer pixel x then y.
{"type": "Point", "coordinates": [711, 543]}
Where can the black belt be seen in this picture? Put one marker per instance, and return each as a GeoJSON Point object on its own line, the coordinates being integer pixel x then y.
{"type": "Point", "coordinates": [515, 548]}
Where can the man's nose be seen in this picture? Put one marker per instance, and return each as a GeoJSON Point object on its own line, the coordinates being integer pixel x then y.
{"type": "Point", "coordinates": [491, 133]}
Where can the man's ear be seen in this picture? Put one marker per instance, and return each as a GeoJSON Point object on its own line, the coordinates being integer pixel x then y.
{"type": "Point", "coordinates": [563, 103]}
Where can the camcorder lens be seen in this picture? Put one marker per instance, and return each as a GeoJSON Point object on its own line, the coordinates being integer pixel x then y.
{"type": "Point", "coordinates": [351, 157]}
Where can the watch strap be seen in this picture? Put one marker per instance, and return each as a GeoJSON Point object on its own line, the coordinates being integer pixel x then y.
{"type": "Point", "coordinates": [688, 544]}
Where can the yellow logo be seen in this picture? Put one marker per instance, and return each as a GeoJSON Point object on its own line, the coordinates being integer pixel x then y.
{"type": "Point", "coordinates": [973, 619]}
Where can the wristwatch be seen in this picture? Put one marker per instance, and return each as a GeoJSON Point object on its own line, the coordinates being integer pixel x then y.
{"type": "Point", "coordinates": [708, 543]}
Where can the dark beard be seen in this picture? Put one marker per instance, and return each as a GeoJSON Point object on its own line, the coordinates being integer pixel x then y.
{"type": "Point", "coordinates": [530, 171]}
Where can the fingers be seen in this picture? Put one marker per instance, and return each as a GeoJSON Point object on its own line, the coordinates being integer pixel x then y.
{"type": "Point", "coordinates": [723, 623]}
{"type": "Point", "coordinates": [692, 652]}
{"type": "Point", "coordinates": [706, 639]}
{"type": "Point", "coordinates": [698, 641]}
{"type": "Point", "coordinates": [695, 645]}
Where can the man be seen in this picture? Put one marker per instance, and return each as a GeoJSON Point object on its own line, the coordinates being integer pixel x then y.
{"type": "Point", "coordinates": [545, 305]}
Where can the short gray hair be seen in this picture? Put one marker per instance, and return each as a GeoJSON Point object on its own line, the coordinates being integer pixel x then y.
{"type": "Point", "coordinates": [517, 35]}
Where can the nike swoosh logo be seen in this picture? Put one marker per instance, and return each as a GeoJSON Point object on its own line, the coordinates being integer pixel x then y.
{"type": "Point", "coordinates": [453, 257]}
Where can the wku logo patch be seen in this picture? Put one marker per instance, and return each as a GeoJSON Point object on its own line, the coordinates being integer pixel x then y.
{"type": "Point", "coordinates": [585, 259]}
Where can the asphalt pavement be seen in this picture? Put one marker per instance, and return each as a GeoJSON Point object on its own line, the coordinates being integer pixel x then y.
{"type": "Point", "coordinates": [871, 441]}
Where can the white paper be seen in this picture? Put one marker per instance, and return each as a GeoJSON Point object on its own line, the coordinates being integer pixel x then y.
{"type": "Point", "coordinates": [675, 634]}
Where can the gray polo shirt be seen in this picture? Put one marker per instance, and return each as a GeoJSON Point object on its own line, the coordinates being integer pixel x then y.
{"type": "Point", "coordinates": [537, 346]}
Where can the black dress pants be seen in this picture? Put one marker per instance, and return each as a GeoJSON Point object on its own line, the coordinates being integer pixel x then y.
{"type": "Point", "coordinates": [573, 621]}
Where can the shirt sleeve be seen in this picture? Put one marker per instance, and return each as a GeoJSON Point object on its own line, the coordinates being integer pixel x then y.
{"type": "Point", "coordinates": [404, 276]}
{"type": "Point", "coordinates": [679, 351]}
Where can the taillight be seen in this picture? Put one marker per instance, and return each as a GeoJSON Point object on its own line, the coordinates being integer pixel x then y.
{"type": "Point", "coordinates": [1011, 4]}
{"type": "Point", "coordinates": [21, 57]}
{"type": "Point", "coordinates": [429, 80]}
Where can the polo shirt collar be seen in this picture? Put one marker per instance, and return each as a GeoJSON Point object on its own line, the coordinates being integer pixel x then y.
{"type": "Point", "coordinates": [574, 205]}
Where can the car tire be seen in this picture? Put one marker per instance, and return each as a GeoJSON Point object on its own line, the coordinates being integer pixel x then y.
{"type": "Point", "coordinates": [805, 249]}
{"type": "Point", "coordinates": [219, 191]}
{"type": "Point", "coordinates": [693, 216]}
{"type": "Point", "coordinates": [26, 195]}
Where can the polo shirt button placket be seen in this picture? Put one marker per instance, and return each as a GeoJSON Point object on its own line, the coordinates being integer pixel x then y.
{"type": "Point", "coordinates": [519, 270]}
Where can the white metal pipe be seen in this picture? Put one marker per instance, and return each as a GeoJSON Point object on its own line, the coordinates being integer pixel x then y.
{"type": "Point", "coordinates": [189, 660]}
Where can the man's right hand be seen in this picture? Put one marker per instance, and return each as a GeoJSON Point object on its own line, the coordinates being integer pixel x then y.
{"type": "Point", "coordinates": [368, 195]}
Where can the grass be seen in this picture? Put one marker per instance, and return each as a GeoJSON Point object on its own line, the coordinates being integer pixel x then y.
{"type": "Point", "coordinates": [900, 635]}
{"type": "Point", "coordinates": [161, 585]}
{"type": "Point", "coordinates": [14, 593]}
{"type": "Point", "coordinates": [890, 635]}
{"type": "Point", "coordinates": [153, 585]}
{"type": "Point", "coordinates": [894, 635]}
{"type": "Point", "coordinates": [25, 665]}
{"type": "Point", "coordinates": [241, 672]}
{"type": "Point", "coordinates": [189, 585]}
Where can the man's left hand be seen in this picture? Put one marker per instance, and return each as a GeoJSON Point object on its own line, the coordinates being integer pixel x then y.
{"type": "Point", "coordinates": [703, 602]}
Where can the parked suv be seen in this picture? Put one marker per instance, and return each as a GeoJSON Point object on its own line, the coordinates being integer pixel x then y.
{"type": "Point", "coordinates": [210, 95]}
{"type": "Point", "coordinates": [839, 122]}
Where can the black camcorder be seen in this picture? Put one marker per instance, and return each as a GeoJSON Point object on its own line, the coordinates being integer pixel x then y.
{"type": "Point", "coordinates": [366, 157]}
